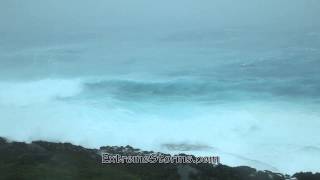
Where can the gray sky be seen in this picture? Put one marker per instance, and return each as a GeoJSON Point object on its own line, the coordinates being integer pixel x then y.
{"type": "Point", "coordinates": [46, 17]}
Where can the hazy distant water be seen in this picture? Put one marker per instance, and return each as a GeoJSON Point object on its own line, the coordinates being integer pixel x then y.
{"type": "Point", "coordinates": [250, 97]}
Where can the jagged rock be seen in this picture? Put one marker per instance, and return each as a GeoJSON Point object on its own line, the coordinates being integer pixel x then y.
{"type": "Point", "coordinates": [307, 176]}
{"type": "Point", "coordinates": [2, 141]}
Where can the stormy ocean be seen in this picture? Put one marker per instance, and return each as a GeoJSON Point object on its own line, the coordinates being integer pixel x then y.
{"type": "Point", "coordinates": [238, 80]}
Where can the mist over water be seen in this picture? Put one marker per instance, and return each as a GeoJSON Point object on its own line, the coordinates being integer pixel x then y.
{"type": "Point", "coordinates": [238, 80]}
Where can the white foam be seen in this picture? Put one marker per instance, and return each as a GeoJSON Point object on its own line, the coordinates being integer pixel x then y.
{"type": "Point", "coordinates": [264, 134]}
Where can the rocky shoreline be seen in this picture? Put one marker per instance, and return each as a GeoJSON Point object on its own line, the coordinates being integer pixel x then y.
{"type": "Point", "coordinates": [49, 160]}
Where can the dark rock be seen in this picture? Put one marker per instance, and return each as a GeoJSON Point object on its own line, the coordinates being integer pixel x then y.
{"type": "Point", "coordinates": [41, 159]}
{"type": "Point", "coordinates": [307, 176]}
{"type": "Point", "coordinates": [2, 141]}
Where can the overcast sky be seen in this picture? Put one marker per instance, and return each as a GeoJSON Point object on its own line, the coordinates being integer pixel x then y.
{"type": "Point", "coordinates": [35, 18]}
